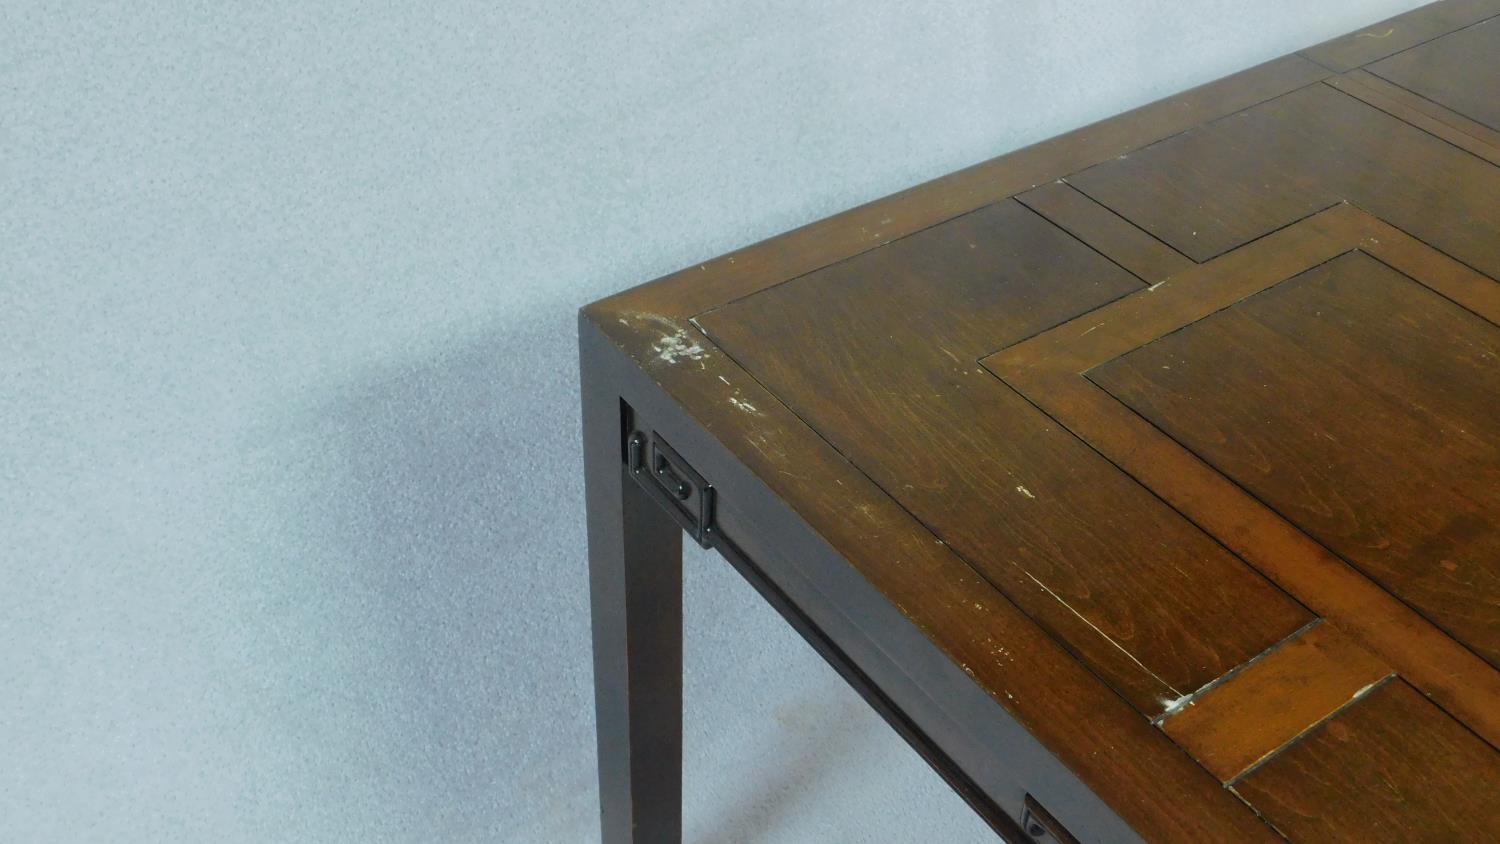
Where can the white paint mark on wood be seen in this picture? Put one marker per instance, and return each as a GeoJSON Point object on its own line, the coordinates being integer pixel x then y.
{"type": "Point", "coordinates": [1171, 705]}
{"type": "Point", "coordinates": [673, 348]}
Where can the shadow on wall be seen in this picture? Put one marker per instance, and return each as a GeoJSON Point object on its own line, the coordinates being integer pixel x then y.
{"type": "Point", "coordinates": [436, 679]}
{"type": "Point", "coordinates": [443, 592]}
{"type": "Point", "coordinates": [815, 736]}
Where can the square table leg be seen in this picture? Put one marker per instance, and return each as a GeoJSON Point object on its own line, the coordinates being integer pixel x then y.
{"type": "Point", "coordinates": [635, 584]}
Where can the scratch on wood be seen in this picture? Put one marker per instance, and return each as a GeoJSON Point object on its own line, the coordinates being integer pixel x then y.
{"type": "Point", "coordinates": [1024, 491]}
{"type": "Point", "coordinates": [758, 442]}
{"type": "Point", "coordinates": [1106, 636]}
{"type": "Point", "coordinates": [1387, 34]}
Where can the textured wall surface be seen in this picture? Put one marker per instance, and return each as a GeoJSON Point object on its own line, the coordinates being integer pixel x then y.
{"type": "Point", "coordinates": [290, 541]}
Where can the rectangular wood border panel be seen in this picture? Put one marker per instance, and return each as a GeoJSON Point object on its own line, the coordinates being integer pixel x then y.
{"type": "Point", "coordinates": [1389, 767]}
{"type": "Point", "coordinates": [1137, 593]}
{"type": "Point", "coordinates": [1456, 71]}
{"type": "Point", "coordinates": [1052, 696]}
{"type": "Point", "coordinates": [1420, 112]}
{"type": "Point", "coordinates": [1274, 700]}
{"type": "Point", "coordinates": [1311, 394]}
{"type": "Point", "coordinates": [1113, 236]}
{"type": "Point", "coordinates": [1049, 370]}
{"type": "Point", "coordinates": [895, 592]}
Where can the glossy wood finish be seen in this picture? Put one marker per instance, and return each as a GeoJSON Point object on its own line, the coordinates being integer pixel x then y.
{"type": "Point", "coordinates": [1273, 700]}
{"type": "Point", "coordinates": [1157, 457]}
{"type": "Point", "coordinates": [1053, 370]}
{"type": "Point", "coordinates": [1145, 598]}
{"type": "Point", "coordinates": [1266, 390]}
{"type": "Point", "coordinates": [1391, 767]}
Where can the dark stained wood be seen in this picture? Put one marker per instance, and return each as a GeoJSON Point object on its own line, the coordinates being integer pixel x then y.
{"type": "Point", "coordinates": [1040, 817]}
{"type": "Point", "coordinates": [1268, 390]}
{"type": "Point", "coordinates": [1152, 784]}
{"type": "Point", "coordinates": [1043, 586]}
{"type": "Point", "coordinates": [1420, 112]}
{"type": "Point", "coordinates": [1457, 71]}
{"type": "Point", "coordinates": [1273, 700]}
{"type": "Point", "coordinates": [1391, 767]}
{"type": "Point", "coordinates": [635, 589]}
{"type": "Point", "coordinates": [1112, 235]}
{"type": "Point", "coordinates": [1049, 370]}
{"type": "Point", "coordinates": [1399, 33]}
{"type": "Point", "coordinates": [1147, 600]}
{"type": "Point", "coordinates": [1212, 189]}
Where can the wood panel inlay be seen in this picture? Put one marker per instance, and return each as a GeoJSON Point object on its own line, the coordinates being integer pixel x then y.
{"type": "Point", "coordinates": [1077, 572]}
{"type": "Point", "coordinates": [1220, 186]}
{"type": "Point", "coordinates": [1050, 370]}
{"type": "Point", "coordinates": [1457, 71]}
{"type": "Point", "coordinates": [1426, 115]}
{"type": "Point", "coordinates": [879, 354]}
{"type": "Point", "coordinates": [1391, 767]}
{"type": "Point", "coordinates": [1132, 248]}
{"type": "Point", "coordinates": [1264, 391]}
{"type": "Point", "coordinates": [1274, 700]}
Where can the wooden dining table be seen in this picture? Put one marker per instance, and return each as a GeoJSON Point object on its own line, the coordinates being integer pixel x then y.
{"type": "Point", "coordinates": [1145, 480]}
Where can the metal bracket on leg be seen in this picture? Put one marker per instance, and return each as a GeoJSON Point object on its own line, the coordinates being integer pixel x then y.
{"type": "Point", "coordinates": [674, 484]}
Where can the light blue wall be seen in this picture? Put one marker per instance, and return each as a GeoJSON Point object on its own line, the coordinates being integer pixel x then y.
{"type": "Point", "coordinates": [289, 497]}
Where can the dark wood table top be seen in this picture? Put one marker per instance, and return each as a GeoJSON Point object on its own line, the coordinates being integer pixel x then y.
{"type": "Point", "coordinates": [1179, 434]}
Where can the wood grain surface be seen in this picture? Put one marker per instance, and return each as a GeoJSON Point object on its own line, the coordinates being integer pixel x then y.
{"type": "Point", "coordinates": [1268, 390]}
{"type": "Point", "coordinates": [1456, 71]}
{"type": "Point", "coordinates": [1274, 700]}
{"type": "Point", "coordinates": [1113, 236]}
{"type": "Point", "coordinates": [1176, 434]}
{"type": "Point", "coordinates": [879, 355]}
{"type": "Point", "coordinates": [1430, 117]}
{"type": "Point", "coordinates": [1391, 767]}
